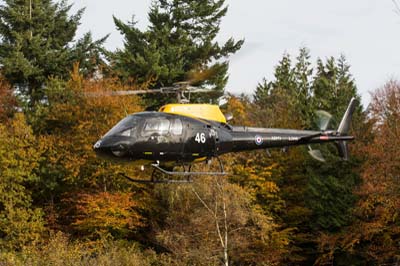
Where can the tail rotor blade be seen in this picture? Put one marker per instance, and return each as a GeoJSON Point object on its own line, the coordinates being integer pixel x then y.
{"type": "Point", "coordinates": [323, 119]}
{"type": "Point", "coordinates": [316, 154]}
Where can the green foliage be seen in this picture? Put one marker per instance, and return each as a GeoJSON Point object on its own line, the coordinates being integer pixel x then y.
{"type": "Point", "coordinates": [332, 183]}
{"type": "Point", "coordinates": [318, 197]}
{"type": "Point", "coordinates": [178, 43]}
{"type": "Point", "coordinates": [36, 43]}
{"type": "Point", "coordinates": [20, 224]}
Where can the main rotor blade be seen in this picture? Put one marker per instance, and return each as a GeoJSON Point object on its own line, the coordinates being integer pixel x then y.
{"type": "Point", "coordinates": [119, 93]}
{"type": "Point", "coordinates": [175, 89]}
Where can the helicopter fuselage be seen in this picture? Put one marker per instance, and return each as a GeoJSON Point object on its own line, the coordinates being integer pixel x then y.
{"type": "Point", "coordinates": [163, 137]}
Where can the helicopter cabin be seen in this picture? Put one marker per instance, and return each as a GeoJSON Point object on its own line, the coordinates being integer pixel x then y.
{"type": "Point", "coordinates": [202, 111]}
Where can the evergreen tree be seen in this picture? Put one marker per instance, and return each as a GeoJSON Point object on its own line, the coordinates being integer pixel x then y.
{"type": "Point", "coordinates": [178, 44]}
{"type": "Point", "coordinates": [262, 92]}
{"type": "Point", "coordinates": [318, 197]}
{"type": "Point", "coordinates": [304, 94]}
{"type": "Point", "coordinates": [36, 42]}
{"type": "Point", "coordinates": [283, 100]}
{"type": "Point", "coordinates": [331, 184]}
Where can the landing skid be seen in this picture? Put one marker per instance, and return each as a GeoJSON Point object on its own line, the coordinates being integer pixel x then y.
{"type": "Point", "coordinates": [160, 175]}
{"type": "Point", "coordinates": [157, 181]}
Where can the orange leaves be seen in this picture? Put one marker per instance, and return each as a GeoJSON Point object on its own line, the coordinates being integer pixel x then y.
{"type": "Point", "coordinates": [72, 122]}
{"type": "Point", "coordinates": [375, 234]}
{"type": "Point", "coordinates": [106, 213]}
{"type": "Point", "coordinates": [238, 109]}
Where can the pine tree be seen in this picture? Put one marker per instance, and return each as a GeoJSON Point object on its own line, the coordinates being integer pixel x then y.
{"type": "Point", "coordinates": [36, 42]}
{"type": "Point", "coordinates": [318, 197]}
{"type": "Point", "coordinates": [262, 93]}
{"type": "Point", "coordinates": [302, 74]}
{"type": "Point", "coordinates": [331, 184]}
{"type": "Point", "coordinates": [178, 44]}
{"type": "Point", "coordinates": [283, 100]}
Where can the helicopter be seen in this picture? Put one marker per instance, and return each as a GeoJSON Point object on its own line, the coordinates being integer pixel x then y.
{"type": "Point", "coordinates": [183, 134]}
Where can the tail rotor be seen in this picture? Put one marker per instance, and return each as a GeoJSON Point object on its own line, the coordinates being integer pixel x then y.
{"type": "Point", "coordinates": [323, 119]}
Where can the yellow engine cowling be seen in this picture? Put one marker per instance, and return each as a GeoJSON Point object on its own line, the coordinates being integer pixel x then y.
{"type": "Point", "coordinates": [203, 111]}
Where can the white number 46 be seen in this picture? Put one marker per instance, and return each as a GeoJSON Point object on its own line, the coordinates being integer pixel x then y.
{"type": "Point", "coordinates": [200, 138]}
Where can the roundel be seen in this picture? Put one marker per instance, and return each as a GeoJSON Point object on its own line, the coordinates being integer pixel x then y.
{"type": "Point", "coordinates": [258, 139]}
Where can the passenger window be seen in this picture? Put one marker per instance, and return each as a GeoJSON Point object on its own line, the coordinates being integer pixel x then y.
{"type": "Point", "coordinates": [156, 125]}
{"type": "Point", "coordinates": [176, 127]}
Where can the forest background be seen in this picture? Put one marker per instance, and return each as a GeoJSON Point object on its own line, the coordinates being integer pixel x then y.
{"type": "Point", "coordinates": [61, 205]}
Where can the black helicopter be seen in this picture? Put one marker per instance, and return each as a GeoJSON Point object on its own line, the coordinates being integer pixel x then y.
{"type": "Point", "coordinates": [183, 134]}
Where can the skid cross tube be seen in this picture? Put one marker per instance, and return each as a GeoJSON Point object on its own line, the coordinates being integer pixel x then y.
{"type": "Point", "coordinates": [157, 167]}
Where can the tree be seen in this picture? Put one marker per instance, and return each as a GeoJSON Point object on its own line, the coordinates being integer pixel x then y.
{"type": "Point", "coordinates": [105, 214]}
{"type": "Point", "coordinates": [373, 238]}
{"type": "Point", "coordinates": [178, 43]}
{"type": "Point", "coordinates": [318, 198]}
{"type": "Point", "coordinates": [20, 222]}
{"type": "Point", "coordinates": [213, 222]}
{"type": "Point", "coordinates": [36, 42]}
{"type": "Point", "coordinates": [331, 184]}
{"type": "Point", "coordinates": [69, 123]}
{"type": "Point", "coordinates": [7, 100]}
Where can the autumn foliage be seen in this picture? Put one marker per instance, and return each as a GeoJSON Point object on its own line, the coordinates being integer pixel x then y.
{"type": "Point", "coordinates": [274, 208]}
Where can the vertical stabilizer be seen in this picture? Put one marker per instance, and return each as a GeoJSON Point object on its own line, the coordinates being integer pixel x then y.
{"type": "Point", "coordinates": [343, 129]}
{"type": "Point", "coordinates": [346, 120]}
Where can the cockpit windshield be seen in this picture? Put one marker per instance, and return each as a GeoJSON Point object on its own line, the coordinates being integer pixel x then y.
{"type": "Point", "coordinates": [123, 126]}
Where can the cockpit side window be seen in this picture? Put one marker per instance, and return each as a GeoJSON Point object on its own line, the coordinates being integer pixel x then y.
{"type": "Point", "coordinates": [156, 125]}
{"type": "Point", "coordinates": [176, 127]}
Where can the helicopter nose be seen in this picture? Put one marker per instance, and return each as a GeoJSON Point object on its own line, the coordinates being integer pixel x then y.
{"type": "Point", "coordinates": [109, 148]}
{"type": "Point", "coordinates": [98, 148]}
{"type": "Point", "coordinates": [97, 145]}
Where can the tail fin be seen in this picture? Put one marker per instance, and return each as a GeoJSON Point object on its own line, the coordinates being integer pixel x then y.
{"type": "Point", "coordinates": [346, 120]}
{"type": "Point", "coordinates": [343, 130]}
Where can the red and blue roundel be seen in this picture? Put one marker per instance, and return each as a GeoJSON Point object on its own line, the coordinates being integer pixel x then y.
{"type": "Point", "coordinates": [258, 140]}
